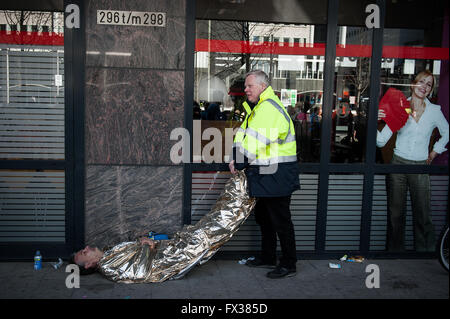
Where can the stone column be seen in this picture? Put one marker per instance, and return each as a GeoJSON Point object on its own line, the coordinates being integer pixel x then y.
{"type": "Point", "coordinates": [134, 97]}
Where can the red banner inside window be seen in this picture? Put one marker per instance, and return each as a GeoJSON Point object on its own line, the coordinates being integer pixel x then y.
{"type": "Point", "coordinates": [349, 50]}
{"type": "Point", "coordinates": [31, 38]}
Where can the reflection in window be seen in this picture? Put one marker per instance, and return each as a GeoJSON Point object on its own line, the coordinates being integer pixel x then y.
{"type": "Point", "coordinates": [352, 86]}
{"type": "Point", "coordinates": [292, 56]}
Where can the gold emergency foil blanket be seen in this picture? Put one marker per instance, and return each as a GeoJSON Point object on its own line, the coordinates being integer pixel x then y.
{"type": "Point", "coordinates": [133, 262]}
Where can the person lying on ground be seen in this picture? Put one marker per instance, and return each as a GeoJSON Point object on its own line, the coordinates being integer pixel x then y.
{"type": "Point", "coordinates": [145, 260]}
{"type": "Point", "coordinates": [88, 258]}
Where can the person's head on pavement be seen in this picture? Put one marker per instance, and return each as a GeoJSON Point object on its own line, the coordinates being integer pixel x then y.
{"type": "Point", "coordinates": [87, 259]}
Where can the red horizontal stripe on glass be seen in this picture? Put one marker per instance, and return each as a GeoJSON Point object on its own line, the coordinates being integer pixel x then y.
{"type": "Point", "coordinates": [236, 46]}
{"type": "Point", "coordinates": [349, 50]}
{"type": "Point", "coordinates": [415, 52]}
{"type": "Point", "coordinates": [31, 38]}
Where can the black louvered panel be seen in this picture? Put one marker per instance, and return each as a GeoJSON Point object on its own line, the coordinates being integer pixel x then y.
{"type": "Point", "coordinates": [207, 186]}
{"type": "Point", "coordinates": [31, 102]}
{"type": "Point", "coordinates": [32, 206]}
{"type": "Point", "coordinates": [344, 212]}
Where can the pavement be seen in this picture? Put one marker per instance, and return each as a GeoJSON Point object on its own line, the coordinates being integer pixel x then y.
{"type": "Point", "coordinates": [229, 280]}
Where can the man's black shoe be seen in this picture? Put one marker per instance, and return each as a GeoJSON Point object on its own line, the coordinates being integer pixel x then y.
{"type": "Point", "coordinates": [258, 263]}
{"type": "Point", "coordinates": [280, 272]}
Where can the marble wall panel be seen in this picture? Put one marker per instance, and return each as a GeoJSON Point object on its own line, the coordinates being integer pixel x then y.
{"type": "Point", "coordinates": [130, 114]}
{"type": "Point", "coordinates": [134, 98]}
{"type": "Point", "coordinates": [123, 202]}
{"type": "Point", "coordinates": [136, 46]}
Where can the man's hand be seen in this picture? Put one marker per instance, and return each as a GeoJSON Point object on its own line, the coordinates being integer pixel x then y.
{"type": "Point", "coordinates": [381, 115]}
{"type": "Point", "coordinates": [232, 168]}
{"type": "Point", "coordinates": [148, 241]}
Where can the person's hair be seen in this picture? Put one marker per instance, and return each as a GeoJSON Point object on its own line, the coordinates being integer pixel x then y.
{"type": "Point", "coordinates": [260, 76]}
{"type": "Point", "coordinates": [83, 270]}
{"type": "Point", "coordinates": [420, 76]}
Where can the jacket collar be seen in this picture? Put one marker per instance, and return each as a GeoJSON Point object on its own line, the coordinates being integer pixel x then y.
{"type": "Point", "coordinates": [266, 94]}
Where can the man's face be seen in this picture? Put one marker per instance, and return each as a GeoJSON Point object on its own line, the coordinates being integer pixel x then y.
{"type": "Point", "coordinates": [89, 256]}
{"type": "Point", "coordinates": [253, 88]}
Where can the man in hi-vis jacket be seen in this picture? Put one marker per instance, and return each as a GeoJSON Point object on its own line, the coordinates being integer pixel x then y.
{"type": "Point", "coordinates": [265, 146]}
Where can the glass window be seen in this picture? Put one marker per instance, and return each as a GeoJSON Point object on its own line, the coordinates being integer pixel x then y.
{"type": "Point", "coordinates": [31, 85]}
{"type": "Point", "coordinates": [224, 54]}
{"type": "Point", "coordinates": [352, 86]}
{"type": "Point", "coordinates": [32, 126]}
{"type": "Point", "coordinates": [408, 54]}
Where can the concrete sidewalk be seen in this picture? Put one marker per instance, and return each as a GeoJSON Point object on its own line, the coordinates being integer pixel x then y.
{"type": "Point", "coordinates": [226, 279]}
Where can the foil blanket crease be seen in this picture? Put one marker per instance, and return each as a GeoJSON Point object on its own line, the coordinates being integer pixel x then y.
{"type": "Point", "coordinates": [133, 262]}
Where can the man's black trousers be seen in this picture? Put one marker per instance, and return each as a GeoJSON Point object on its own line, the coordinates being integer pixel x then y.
{"type": "Point", "coordinates": [273, 215]}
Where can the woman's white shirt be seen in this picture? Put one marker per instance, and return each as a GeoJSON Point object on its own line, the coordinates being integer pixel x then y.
{"type": "Point", "coordinates": [414, 137]}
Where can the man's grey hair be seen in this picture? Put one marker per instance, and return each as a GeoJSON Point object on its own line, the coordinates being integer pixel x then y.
{"type": "Point", "coordinates": [260, 76]}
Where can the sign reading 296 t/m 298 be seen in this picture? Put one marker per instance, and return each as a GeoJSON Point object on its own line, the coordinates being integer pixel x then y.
{"type": "Point", "coordinates": [131, 18]}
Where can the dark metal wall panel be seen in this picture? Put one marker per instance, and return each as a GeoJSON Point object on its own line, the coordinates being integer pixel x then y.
{"type": "Point", "coordinates": [343, 211]}
{"type": "Point", "coordinates": [345, 194]}
{"type": "Point", "coordinates": [32, 206]}
{"type": "Point", "coordinates": [207, 186]}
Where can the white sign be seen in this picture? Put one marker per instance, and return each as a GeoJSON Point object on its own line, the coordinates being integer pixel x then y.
{"type": "Point", "coordinates": [408, 67]}
{"type": "Point", "coordinates": [291, 62]}
{"type": "Point", "coordinates": [58, 79]}
{"type": "Point", "coordinates": [288, 97]}
{"type": "Point", "coordinates": [388, 63]}
{"type": "Point", "coordinates": [132, 18]}
{"type": "Point", "coordinates": [352, 99]}
{"type": "Point", "coordinates": [437, 67]}
{"type": "Point", "coordinates": [347, 62]}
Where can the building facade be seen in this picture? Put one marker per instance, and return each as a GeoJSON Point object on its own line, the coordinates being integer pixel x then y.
{"type": "Point", "coordinates": [97, 97]}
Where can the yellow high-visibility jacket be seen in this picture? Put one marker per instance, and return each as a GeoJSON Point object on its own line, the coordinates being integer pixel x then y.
{"type": "Point", "coordinates": [265, 145]}
{"type": "Point", "coordinates": [267, 135]}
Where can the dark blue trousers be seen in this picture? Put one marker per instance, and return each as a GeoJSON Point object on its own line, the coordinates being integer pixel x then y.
{"type": "Point", "coordinates": [273, 215]}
